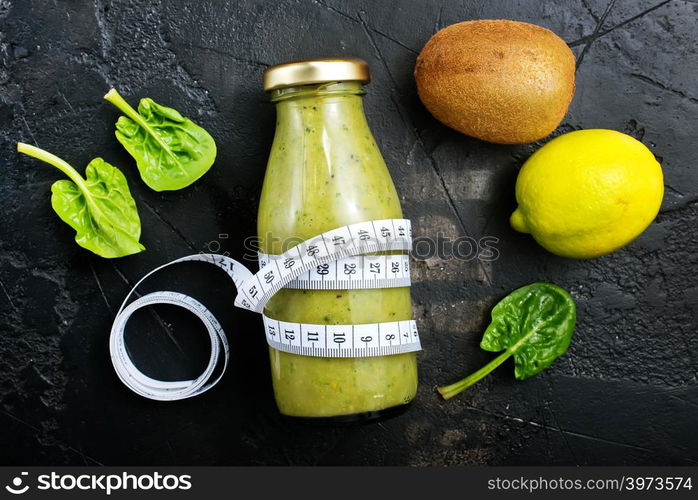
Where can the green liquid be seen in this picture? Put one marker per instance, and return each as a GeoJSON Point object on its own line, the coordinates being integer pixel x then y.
{"type": "Point", "coordinates": [326, 171]}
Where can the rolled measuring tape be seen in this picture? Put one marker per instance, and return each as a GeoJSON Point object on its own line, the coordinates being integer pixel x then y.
{"type": "Point", "coordinates": [336, 259]}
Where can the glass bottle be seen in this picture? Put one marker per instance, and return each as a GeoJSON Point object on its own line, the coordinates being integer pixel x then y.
{"type": "Point", "coordinates": [325, 171]}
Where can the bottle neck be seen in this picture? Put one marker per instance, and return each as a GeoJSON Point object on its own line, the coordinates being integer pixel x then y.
{"type": "Point", "coordinates": [321, 115]}
{"type": "Point", "coordinates": [317, 91]}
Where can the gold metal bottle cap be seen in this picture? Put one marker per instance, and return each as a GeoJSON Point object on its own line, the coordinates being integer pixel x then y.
{"type": "Point", "coordinates": [313, 71]}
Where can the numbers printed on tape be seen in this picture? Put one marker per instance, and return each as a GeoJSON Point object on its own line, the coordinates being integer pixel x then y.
{"type": "Point", "coordinates": [376, 339]}
{"type": "Point", "coordinates": [347, 241]}
{"type": "Point", "coordinates": [360, 272]}
{"type": "Point", "coordinates": [336, 259]}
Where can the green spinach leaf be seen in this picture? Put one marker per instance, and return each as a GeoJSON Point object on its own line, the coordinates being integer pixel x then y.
{"type": "Point", "coordinates": [534, 324]}
{"type": "Point", "coordinates": [171, 151]}
{"type": "Point", "coordinates": [99, 207]}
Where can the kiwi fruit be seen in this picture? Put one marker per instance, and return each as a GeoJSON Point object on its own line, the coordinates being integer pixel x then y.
{"type": "Point", "coordinates": [498, 80]}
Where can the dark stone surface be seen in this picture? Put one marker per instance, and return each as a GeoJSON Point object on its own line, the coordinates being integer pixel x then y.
{"type": "Point", "coordinates": [626, 392]}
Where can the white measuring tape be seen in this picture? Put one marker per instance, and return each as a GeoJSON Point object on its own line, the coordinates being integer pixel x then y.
{"type": "Point", "coordinates": [333, 260]}
{"type": "Point", "coordinates": [364, 271]}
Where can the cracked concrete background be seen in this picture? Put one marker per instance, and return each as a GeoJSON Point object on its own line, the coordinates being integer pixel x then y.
{"type": "Point", "coordinates": [625, 393]}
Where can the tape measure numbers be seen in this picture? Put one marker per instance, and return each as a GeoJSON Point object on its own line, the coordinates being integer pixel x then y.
{"type": "Point", "coordinates": [364, 271]}
{"type": "Point", "coordinates": [337, 341]}
{"type": "Point", "coordinates": [333, 260]}
{"type": "Point", "coordinates": [347, 241]}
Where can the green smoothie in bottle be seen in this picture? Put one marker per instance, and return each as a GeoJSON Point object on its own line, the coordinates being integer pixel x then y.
{"type": "Point", "coordinates": [325, 171]}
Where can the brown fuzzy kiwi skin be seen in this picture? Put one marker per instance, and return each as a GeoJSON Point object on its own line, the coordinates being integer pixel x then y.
{"type": "Point", "coordinates": [501, 81]}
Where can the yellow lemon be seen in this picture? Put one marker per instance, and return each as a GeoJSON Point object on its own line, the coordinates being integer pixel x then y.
{"type": "Point", "coordinates": [588, 193]}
